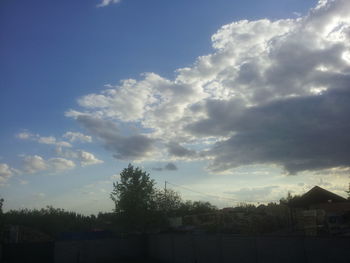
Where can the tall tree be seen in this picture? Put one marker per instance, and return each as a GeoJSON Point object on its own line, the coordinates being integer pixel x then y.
{"type": "Point", "coordinates": [133, 196]}
{"type": "Point", "coordinates": [1, 203]}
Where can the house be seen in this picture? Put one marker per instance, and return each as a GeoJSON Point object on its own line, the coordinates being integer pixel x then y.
{"type": "Point", "coordinates": [320, 211]}
{"type": "Point", "coordinates": [317, 196]}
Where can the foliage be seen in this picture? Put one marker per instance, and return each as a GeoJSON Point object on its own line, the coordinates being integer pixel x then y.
{"type": "Point", "coordinates": [1, 204]}
{"type": "Point", "coordinates": [133, 196]}
{"type": "Point", "coordinates": [248, 219]}
{"type": "Point", "coordinates": [140, 206]}
{"type": "Point", "coordinates": [167, 202]}
{"type": "Point", "coordinates": [197, 207]}
{"type": "Point", "coordinates": [289, 199]}
{"type": "Point", "coordinates": [50, 220]}
{"type": "Point", "coordinates": [1, 216]}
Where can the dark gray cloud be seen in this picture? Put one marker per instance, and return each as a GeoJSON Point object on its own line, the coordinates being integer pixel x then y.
{"type": "Point", "coordinates": [221, 117]}
{"type": "Point", "coordinates": [157, 169]}
{"type": "Point", "coordinates": [178, 150]}
{"type": "Point", "coordinates": [170, 167]}
{"type": "Point", "coordinates": [303, 133]}
{"type": "Point", "coordinates": [123, 147]}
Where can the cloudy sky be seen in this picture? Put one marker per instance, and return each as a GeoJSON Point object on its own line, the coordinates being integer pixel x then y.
{"type": "Point", "coordinates": [235, 101]}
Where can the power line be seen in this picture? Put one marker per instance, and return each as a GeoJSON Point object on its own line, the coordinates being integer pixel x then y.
{"type": "Point", "coordinates": [219, 197]}
{"type": "Point", "coordinates": [197, 192]}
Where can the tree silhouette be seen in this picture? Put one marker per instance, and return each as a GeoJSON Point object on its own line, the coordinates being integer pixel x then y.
{"type": "Point", "coordinates": [133, 196]}
{"type": "Point", "coordinates": [1, 204]}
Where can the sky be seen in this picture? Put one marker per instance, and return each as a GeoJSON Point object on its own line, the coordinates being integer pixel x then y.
{"type": "Point", "coordinates": [228, 101]}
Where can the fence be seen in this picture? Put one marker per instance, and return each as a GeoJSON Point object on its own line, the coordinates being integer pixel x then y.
{"type": "Point", "coordinates": [228, 248]}
{"type": "Point", "coordinates": [100, 250]}
{"type": "Point", "coordinates": [185, 248]}
{"type": "Point", "coordinates": [41, 252]}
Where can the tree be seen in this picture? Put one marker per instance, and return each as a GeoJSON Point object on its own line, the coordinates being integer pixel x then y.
{"type": "Point", "coordinates": [133, 196]}
{"type": "Point", "coordinates": [1, 204]}
{"type": "Point", "coordinates": [196, 208]}
{"type": "Point", "coordinates": [289, 200]}
{"type": "Point", "coordinates": [167, 201]}
{"type": "Point", "coordinates": [348, 192]}
{"type": "Point", "coordinates": [1, 217]}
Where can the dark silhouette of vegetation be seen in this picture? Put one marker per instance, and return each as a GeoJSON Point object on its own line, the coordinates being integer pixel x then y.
{"type": "Point", "coordinates": [141, 207]}
{"type": "Point", "coordinates": [289, 199]}
{"type": "Point", "coordinates": [1, 204]}
{"type": "Point", "coordinates": [1, 216]}
{"type": "Point", "coordinates": [49, 220]}
{"type": "Point", "coordinates": [134, 200]}
{"type": "Point", "coordinates": [196, 207]}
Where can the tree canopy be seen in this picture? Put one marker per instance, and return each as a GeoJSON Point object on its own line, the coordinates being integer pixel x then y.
{"type": "Point", "coordinates": [133, 196]}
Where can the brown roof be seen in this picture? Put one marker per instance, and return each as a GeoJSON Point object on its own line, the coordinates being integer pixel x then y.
{"type": "Point", "coordinates": [317, 195]}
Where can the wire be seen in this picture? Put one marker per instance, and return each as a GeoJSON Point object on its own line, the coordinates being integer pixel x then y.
{"type": "Point", "coordinates": [194, 191]}
{"type": "Point", "coordinates": [219, 197]}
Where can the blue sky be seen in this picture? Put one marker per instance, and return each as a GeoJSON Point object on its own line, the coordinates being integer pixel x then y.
{"type": "Point", "coordinates": [241, 100]}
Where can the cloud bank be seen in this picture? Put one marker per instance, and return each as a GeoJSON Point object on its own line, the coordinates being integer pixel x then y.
{"type": "Point", "coordinates": [272, 92]}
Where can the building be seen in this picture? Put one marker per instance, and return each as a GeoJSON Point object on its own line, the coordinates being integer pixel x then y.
{"type": "Point", "coordinates": [320, 211]}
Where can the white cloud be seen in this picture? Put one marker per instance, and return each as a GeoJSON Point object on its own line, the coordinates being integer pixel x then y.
{"type": "Point", "coordinates": [24, 135]}
{"type": "Point", "coordinates": [53, 141]}
{"type": "Point", "coordinates": [47, 140]}
{"type": "Point", "coordinates": [60, 164]}
{"type": "Point", "coordinates": [35, 164]}
{"type": "Point", "coordinates": [5, 173]}
{"type": "Point", "coordinates": [87, 158]}
{"type": "Point", "coordinates": [77, 137]}
{"type": "Point", "coordinates": [108, 2]}
{"type": "Point", "coordinates": [271, 92]}
{"type": "Point", "coordinates": [50, 140]}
